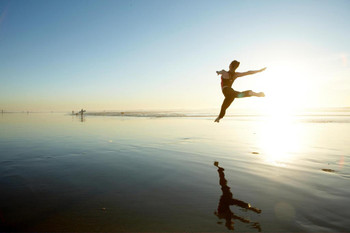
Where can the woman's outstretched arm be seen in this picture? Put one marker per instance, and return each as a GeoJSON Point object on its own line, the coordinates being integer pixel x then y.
{"type": "Point", "coordinates": [249, 72]}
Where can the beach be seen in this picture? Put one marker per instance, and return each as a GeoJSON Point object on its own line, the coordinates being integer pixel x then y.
{"type": "Point", "coordinates": [174, 173]}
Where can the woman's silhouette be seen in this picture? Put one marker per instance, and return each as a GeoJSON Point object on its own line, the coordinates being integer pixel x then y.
{"type": "Point", "coordinates": [226, 200]}
{"type": "Point", "coordinates": [227, 79]}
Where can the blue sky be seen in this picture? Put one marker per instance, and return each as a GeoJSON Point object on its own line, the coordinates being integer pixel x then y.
{"type": "Point", "coordinates": [104, 55]}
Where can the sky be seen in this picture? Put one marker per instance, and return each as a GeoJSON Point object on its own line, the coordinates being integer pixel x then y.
{"type": "Point", "coordinates": [148, 55]}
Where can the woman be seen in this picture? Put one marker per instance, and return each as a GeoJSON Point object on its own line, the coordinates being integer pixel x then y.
{"type": "Point", "coordinates": [227, 79]}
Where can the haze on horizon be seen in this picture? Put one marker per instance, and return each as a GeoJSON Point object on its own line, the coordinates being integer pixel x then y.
{"type": "Point", "coordinates": [111, 55]}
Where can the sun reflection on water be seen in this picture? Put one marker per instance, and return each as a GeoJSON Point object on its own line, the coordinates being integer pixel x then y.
{"type": "Point", "coordinates": [279, 140]}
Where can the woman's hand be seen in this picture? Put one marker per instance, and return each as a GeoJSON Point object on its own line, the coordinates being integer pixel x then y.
{"type": "Point", "coordinates": [262, 69]}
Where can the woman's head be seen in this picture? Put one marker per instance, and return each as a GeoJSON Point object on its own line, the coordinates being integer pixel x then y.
{"type": "Point", "coordinates": [234, 65]}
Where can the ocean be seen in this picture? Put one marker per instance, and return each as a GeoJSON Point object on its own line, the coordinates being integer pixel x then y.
{"type": "Point", "coordinates": [175, 171]}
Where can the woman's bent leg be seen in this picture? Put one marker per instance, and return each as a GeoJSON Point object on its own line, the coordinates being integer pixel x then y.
{"type": "Point", "coordinates": [229, 94]}
{"type": "Point", "coordinates": [227, 102]}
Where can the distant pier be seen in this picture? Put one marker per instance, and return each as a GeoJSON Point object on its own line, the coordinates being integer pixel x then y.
{"type": "Point", "coordinates": [81, 113]}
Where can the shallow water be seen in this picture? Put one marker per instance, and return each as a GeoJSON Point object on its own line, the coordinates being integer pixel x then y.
{"type": "Point", "coordinates": [114, 173]}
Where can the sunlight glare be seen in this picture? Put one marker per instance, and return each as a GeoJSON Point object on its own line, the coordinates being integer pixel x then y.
{"type": "Point", "coordinates": [279, 140]}
{"type": "Point", "coordinates": [285, 88]}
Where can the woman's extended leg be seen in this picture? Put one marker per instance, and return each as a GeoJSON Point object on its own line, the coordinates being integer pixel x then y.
{"type": "Point", "coordinates": [249, 93]}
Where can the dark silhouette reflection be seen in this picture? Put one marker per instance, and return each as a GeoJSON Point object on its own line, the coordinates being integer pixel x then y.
{"type": "Point", "coordinates": [82, 119]}
{"type": "Point", "coordinates": [82, 115]}
{"type": "Point", "coordinates": [226, 199]}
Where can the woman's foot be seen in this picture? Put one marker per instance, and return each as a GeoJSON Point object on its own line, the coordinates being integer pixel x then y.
{"type": "Point", "coordinates": [260, 94]}
{"type": "Point", "coordinates": [217, 119]}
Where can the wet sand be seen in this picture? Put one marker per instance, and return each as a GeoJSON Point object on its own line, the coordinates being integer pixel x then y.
{"type": "Point", "coordinates": [108, 173]}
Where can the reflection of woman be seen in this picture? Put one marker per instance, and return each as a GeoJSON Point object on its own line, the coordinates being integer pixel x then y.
{"type": "Point", "coordinates": [227, 79]}
{"type": "Point", "coordinates": [226, 199]}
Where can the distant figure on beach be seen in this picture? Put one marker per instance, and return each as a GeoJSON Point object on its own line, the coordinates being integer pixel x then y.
{"type": "Point", "coordinates": [227, 79]}
{"type": "Point", "coordinates": [226, 200]}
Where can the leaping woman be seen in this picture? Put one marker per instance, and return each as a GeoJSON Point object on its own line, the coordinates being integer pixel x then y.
{"type": "Point", "coordinates": [227, 79]}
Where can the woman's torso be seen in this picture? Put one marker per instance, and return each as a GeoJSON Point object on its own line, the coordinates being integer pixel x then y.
{"type": "Point", "coordinates": [227, 79]}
